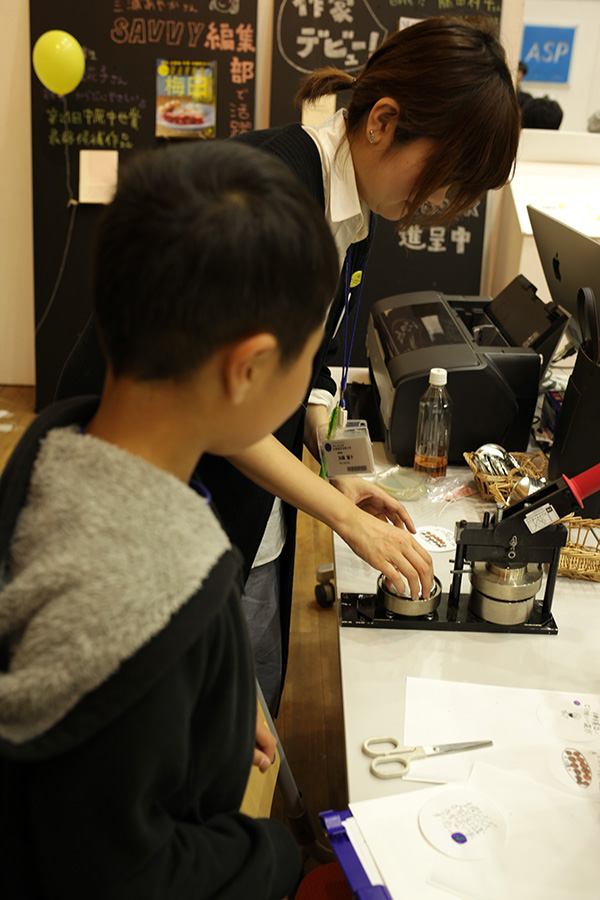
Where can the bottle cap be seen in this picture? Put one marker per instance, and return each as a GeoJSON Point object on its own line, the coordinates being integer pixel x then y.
{"type": "Point", "coordinates": [438, 376]}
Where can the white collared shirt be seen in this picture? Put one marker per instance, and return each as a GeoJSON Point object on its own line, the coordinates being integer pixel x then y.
{"type": "Point", "coordinates": [347, 215]}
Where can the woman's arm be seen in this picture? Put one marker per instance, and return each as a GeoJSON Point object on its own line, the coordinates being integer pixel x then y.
{"type": "Point", "coordinates": [388, 547]}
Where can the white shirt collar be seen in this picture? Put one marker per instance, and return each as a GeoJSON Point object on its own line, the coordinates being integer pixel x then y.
{"type": "Point", "coordinates": [347, 215]}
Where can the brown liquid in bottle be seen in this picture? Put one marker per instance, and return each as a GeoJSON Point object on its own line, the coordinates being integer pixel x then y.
{"type": "Point", "coordinates": [431, 465]}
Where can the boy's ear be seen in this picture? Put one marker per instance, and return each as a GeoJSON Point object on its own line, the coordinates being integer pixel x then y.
{"type": "Point", "coordinates": [246, 362]}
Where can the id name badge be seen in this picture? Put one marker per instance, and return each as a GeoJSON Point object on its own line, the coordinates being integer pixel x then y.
{"type": "Point", "coordinates": [345, 449]}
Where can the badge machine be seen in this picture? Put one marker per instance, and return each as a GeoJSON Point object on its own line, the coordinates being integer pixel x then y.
{"type": "Point", "coordinates": [505, 557]}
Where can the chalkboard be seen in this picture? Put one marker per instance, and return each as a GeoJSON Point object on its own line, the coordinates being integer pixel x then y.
{"type": "Point", "coordinates": [343, 33]}
{"type": "Point", "coordinates": [115, 108]}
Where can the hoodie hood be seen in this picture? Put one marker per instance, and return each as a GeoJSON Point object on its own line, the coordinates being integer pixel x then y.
{"type": "Point", "coordinates": [106, 550]}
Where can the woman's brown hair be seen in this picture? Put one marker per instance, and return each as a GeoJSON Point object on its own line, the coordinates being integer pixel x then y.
{"type": "Point", "coordinates": [451, 81]}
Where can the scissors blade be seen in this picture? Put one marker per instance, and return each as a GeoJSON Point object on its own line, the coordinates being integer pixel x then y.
{"type": "Point", "coordinates": [437, 749]}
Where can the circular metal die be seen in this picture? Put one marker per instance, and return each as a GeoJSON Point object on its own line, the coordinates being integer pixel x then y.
{"type": "Point", "coordinates": [502, 595]}
{"type": "Point", "coordinates": [503, 583]}
{"type": "Point", "coordinates": [404, 605]}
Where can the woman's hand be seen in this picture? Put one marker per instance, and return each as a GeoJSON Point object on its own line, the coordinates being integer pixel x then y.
{"type": "Point", "coordinates": [374, 500]}
{"type": "Point", "coordinates": [388, 546]}
{"type": "Point", "coordinates": [390, 549]}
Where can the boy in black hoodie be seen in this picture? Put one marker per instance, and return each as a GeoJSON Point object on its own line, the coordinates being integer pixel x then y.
{"type": "Point", "coordinates": [127, 694]}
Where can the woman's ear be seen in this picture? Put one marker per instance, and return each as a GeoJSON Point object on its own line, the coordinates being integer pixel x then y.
{"type": "Point", "coordinates": [382, 121]}
{"type": "Point", "coordinates": [247, 363]}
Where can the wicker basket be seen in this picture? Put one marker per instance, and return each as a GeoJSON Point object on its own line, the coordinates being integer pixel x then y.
{"type": "Point", "coordinates": [497, 487]}
{"type": "Point", "coordinates": [580, 557]}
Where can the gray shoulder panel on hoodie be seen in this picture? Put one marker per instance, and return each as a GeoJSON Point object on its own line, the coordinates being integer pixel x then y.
{"type": "Point", "coordinates": [106, 550]}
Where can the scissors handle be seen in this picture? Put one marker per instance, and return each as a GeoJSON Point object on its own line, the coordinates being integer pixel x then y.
{"type": "Point", "coordinates": [374, 746]}
{"type": "Point", "coordinates": [390, 765]}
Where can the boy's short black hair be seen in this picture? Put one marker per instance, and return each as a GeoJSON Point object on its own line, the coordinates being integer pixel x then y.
{"type": "Point", "coordinates": [205, 244]}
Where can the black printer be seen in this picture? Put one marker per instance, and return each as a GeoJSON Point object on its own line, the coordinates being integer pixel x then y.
{"type": "Point", "coordinates": [495, 352]}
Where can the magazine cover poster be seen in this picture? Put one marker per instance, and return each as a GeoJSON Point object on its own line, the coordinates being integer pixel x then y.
{"type": "Point", "coordinates": [186, 97]}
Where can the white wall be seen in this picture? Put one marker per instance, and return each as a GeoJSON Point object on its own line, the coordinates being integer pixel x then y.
{"type": "Point", "coordinates": [511, 33]}
{"type": "Point", "coordinates": [581, 96]}
{"type": "Point", "coordinates": [511, 30]}
{"type": "Point", "coordinates": [17, 364]}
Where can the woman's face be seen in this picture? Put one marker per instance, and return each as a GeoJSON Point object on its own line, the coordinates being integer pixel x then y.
{"type": "Point", "coordinates": [386, 174]}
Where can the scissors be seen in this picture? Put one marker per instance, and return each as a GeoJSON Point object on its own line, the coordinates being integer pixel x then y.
{"type": "Point", "coordinates": [399, 758]}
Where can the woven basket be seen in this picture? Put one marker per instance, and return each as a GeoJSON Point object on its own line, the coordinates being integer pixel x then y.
{"type": "Point", "coordinates": [498, 487]}
{"type": "Point", "coordinates": [580, 557]}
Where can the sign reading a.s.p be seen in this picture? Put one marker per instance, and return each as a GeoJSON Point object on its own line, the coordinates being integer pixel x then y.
{"type": "Point", "coordinates": [546, 51]}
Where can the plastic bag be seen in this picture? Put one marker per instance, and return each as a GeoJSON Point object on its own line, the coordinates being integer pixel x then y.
{"type": "Point", "coordinates": [451, 488]}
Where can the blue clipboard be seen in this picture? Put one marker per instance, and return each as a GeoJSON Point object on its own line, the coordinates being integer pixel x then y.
{"type": "Point", "coordinates": [333, 825]}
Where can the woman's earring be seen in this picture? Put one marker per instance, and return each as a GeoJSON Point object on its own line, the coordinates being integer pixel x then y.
{"type": "Point", "coordinates": [371, 136]}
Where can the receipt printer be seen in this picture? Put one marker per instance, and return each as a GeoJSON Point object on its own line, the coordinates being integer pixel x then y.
{"type": "Point", "coordinates": [492, 380]}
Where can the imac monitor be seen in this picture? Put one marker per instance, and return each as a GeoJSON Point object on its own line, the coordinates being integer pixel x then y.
{"type": "Point", "coordinates": [570, 261]}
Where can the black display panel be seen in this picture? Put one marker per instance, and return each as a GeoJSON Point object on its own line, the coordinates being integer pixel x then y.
{"type": "Point", "coordinates": [115, 108]}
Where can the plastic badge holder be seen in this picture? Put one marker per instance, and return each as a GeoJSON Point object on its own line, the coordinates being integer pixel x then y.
{"type": "Point", "coordinates": [346, 450]}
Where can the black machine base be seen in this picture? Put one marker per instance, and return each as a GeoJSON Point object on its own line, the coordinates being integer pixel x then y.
{"type": "Point", "coordinates": [367, 611]}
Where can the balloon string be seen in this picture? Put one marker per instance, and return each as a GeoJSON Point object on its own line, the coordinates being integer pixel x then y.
{"type": "Point", "coordinates": [72, 202]}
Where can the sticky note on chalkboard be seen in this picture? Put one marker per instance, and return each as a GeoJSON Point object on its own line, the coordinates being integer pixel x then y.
{"type": "Point", "coordinates": [97, 175]}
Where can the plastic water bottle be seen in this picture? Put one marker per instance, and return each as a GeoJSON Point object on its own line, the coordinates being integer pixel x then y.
{"type": "Point", "coordinates": [433, 426]}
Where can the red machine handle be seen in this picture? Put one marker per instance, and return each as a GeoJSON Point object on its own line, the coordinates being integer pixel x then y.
{"type": "Point", "coordinates": [585, 484]}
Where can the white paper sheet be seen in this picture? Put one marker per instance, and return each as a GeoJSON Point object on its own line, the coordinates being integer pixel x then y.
{"type": "Point", "coordinates": [97, 175]}
{"type": "Point", "coordinates": [523, 724]}
{"type": "Point", "coordinates": [550, 851]}
{"type": "Point", "coordinates": [403, 856]}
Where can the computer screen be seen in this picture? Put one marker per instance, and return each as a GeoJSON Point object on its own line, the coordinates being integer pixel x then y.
{"type": "Point", "coordinates": [570, 261]}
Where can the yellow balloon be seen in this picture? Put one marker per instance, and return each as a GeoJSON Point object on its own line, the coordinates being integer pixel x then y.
{"type": "Point", "coordinates": [58, 61]}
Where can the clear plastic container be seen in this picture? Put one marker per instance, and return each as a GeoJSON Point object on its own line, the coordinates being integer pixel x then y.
{"type": "Point", "coordinates": [433, 426]}
{"type": "Point", "coordinates": [402, 484]}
